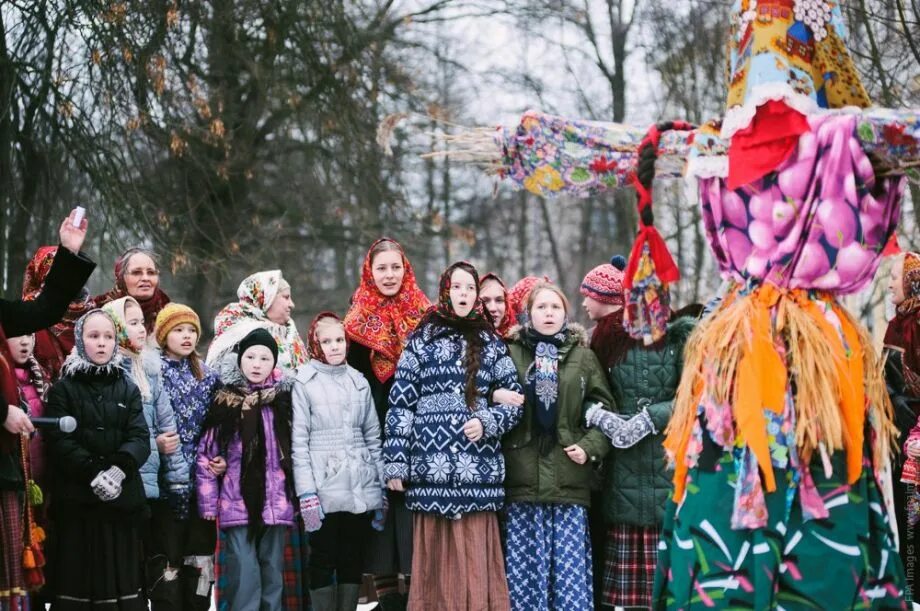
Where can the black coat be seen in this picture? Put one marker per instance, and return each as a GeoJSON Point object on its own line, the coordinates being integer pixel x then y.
{"type": "Point", "coordinates": [68, 274]}
{"type": "Point", "coordinates": [111, 430]}
{"type": "Point", "coordinates": [359, 357]}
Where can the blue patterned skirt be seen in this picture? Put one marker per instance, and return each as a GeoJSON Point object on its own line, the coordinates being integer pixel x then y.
{"type": "Point", "coordinates": [548, 557]}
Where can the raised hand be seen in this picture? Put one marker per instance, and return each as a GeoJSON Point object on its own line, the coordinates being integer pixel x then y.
{"type": "Point", "coordinates": [72, 237]}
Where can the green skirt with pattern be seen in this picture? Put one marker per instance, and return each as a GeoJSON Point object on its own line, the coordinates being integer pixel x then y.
{"type": "Point", "coordinates": [846, 561]}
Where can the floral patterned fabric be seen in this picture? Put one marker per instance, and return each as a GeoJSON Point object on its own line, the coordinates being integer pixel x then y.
{"type": "Point", "coordinates": [151, 307]}
{"type": "Point", "coordinates": [256, 294]}
{"type": "Point", "coordinates": [789, 242]}
{"type": "Point", "coordinates": [550, 155]}
{"type": "Point", "coordinates": [314, 348]}
{"type": "Point", "coordinates": [52, 345]}
{"type": "Point", "coordinates": [382, 323]}
{"type": "Point", "coordinates": [781, 424]}
{"type": "Point", "coordinates": [34, 280]}
{"type": "Point", "coordinates": [518, 296]}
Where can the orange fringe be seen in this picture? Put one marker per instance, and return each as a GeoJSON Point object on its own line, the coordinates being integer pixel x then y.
{"type": "Point", "coordinates": [832, 384]}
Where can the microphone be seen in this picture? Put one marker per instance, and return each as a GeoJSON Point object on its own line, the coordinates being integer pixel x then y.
{"type": "Point", "coordinates": [67, 424]}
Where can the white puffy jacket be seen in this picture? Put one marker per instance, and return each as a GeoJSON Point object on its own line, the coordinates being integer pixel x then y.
{"type": "Point", "coordinates": [336, 439]}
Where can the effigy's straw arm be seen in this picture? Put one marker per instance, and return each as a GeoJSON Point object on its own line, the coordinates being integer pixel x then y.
{"type": "Point", "coordinates": [550, 155]}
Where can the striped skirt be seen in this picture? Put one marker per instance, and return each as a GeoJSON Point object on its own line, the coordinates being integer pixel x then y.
{"type": "Point", "coordinates": [460, 566]}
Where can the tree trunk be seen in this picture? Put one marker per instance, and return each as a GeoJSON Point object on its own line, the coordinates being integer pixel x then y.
{"type": "Point", "coordinates": [522, 234]}
{"type": "Point", "coordinates": [553, 247]}
{"type": "Point", "coordinates": [7, 143]}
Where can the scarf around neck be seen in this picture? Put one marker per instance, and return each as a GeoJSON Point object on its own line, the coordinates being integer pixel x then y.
{"type": "Point", "coordinates": [542, 383]}
{"type": "Point", "coordinates": [239, 409]}
{"type": "Point", "coordinates": [37, 377]}
{"type": "Point", "coordinates": [151, 307]}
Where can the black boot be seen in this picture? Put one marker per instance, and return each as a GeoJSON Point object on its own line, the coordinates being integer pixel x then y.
{"type": "Point", "coordinates": [392, 601]}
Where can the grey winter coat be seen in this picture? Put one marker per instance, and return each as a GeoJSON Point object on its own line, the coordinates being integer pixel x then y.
{"type": "Point", "coordinates": [336, 439]}
{"type": "Point", "coordinates": [171, 469]}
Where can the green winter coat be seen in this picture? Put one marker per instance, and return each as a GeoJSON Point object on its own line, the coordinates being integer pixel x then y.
{"type": "Point", "coordinates": [637, 480]}
{"type": "Point", "coordinates": [555, 478]}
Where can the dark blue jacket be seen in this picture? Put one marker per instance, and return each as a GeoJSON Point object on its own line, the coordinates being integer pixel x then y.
{"type": "Point", "coordinates": [424, 441]}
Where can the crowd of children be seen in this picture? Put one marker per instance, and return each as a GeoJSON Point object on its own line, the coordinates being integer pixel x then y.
{"type": "Point", "coordinates": [450, 450]}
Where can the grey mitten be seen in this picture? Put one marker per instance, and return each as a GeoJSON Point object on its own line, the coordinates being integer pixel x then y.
{"type": "Point", "coordinates": [622, 433]}
{"type": "Point", "coordinates": [107, 484]}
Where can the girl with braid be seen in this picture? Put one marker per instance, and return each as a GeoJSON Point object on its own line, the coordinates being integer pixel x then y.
{"type": "Point", "coordinates": [443, 448]}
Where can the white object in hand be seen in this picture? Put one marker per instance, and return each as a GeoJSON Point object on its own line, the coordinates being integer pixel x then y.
{"type": "Point", "coordinates": [79, 213]}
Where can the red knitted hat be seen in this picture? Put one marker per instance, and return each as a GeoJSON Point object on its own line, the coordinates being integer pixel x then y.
{"type": "Point", "coordinates": [604, 283]}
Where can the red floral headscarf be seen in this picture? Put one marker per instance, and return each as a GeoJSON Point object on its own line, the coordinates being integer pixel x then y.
{"type": "Point", "coordinates": [52, 345]}
{"type": "Point", "coordinates": [382, 323]}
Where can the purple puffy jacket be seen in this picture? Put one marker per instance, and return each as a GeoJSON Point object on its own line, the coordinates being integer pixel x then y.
{"type": "Point", "coordinates": [222, 497]}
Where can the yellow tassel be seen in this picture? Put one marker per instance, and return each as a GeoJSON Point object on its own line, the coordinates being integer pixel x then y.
{"type": "Point", "coordinates": [38, 534]}
{"type": "Point", "coordinates": [28, 558]}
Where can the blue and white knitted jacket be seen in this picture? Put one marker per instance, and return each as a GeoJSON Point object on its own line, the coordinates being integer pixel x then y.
{"type": "Point", "coordinates": [424, 442]}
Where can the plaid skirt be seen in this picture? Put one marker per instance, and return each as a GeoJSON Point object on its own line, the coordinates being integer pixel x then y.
{"type": "Point", "coordinates": [629, 571]}
{"type": "Point", "coordinates": [12, 583]}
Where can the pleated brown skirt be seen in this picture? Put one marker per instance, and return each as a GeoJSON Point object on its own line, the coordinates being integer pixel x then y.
{"type": "Point", "coordinates": [458, 564]}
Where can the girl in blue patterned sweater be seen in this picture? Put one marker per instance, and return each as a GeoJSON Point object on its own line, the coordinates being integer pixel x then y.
{"type": "Point", "coordinates": [442, 446]}
{"type": "Point", "coordinates": [182, 569]}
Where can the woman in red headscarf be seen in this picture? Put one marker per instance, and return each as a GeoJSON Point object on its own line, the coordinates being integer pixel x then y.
{"type": "Point", "coordinates": [52, 345]}
{"type": "Point", "coordinates": [385, 309]}
{"type": "Point", "coordinates": [137, 274]}
{"type": "Point", "coordinates": [902, 375]}
{"type": "Point", "coordinates": [67, 274]}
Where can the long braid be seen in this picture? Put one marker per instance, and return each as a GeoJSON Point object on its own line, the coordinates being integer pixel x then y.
{"type": "Point", "coordinates": [473, 357]}
{"type": "Point", "coordinates": [651, 268]}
